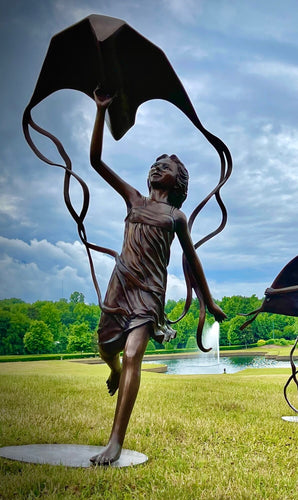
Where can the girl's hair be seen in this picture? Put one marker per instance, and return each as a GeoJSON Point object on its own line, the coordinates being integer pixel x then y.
{"type": "Point", "coordinates": [178, 193]}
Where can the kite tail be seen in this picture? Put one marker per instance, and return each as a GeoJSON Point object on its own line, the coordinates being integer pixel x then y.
{"type": "Point", "coordinates": [78, 217]}
{"type": "Point", "coordinates": [250, 320]}
{"type": "Point", "coordinates": [202, 305]}
{"type": "Point", "coordinates": [226, 166]}
{"type": "Point", "coordinates": [255, 313]}
{"type": "Point", "coordinates": [190, 285]}
{"type": "Point", "coordinates": [292, 377]}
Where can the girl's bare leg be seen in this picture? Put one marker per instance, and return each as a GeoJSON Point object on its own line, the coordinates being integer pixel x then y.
{"type": "Point", "coordinates": [130, 377]}
{"type": "Point", "coordinates": [113, 361]}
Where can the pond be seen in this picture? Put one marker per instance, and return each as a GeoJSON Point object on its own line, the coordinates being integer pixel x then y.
{"type": "Point", "coordinates": [194, 366]}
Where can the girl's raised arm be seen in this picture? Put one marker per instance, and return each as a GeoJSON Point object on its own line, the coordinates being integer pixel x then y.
{"type": "Point", "coordinates": [129, 193]}
{"type": "Point", "coordinates": [196, 266]}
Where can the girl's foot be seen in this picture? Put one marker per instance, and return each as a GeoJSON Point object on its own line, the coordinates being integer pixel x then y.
{"type": "Point", "coordinates": [113, 382]}
{"type": "Point", "coordinates": [109, 455]}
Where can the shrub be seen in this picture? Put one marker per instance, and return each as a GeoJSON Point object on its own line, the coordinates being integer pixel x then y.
{"type": "Point", "coordinates": [150, 346]}
{"type": "Point", "coordinates": [169, 346]}
{"type": "Point", "coordinates": [270, 341]}
{"type": "Point", "coordinates": [283, 342]}
{"type": "Point", "coordinates": [261, 342]}
{"type": "Point", "coordinates": [191, 343]}
{"type": "Point", "coordinates": [278, 341]}
{"type": "Point", "coordinates": [237, 347]}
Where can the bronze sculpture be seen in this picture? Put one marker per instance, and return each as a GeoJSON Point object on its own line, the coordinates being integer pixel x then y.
{"type": "Point", "coordinates": [293, 377]}
{"type": "Point", "coordinates": [282, 298]}
{"type": "Point", "coordinates": [108, 52]}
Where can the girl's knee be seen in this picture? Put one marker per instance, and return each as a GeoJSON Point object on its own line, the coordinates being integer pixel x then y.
{"type": "Point", "coordinates": [107, 355]}
{"type": "Point", "coordinates": [136, 344]}
{"type": "Point", "coordinates": [133, 351]}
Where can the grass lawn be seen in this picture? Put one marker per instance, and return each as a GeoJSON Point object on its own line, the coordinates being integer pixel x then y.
{"type": "Point", "coordinates": [212, 437]}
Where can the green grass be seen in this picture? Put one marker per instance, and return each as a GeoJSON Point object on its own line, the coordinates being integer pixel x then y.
{"type": "Point", "coordinates": [209, 437]}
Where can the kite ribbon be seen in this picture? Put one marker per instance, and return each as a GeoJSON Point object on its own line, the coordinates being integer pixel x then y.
{"type": "Point", "coordinates": [79, 218]}
{"type": "Point", "coordinates": [225, 172]}
{"type": "Point", "coordinates": [292, 377]}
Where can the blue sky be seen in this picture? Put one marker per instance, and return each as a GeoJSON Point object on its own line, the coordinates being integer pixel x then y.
{"type": "Point", "coordinates": [238, 63]}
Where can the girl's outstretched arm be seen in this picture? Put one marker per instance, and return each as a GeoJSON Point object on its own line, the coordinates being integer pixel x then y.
{"type": "Point", "coordinates": [129, 193]}
{"type": "Point", "coordinates": [196, 266]}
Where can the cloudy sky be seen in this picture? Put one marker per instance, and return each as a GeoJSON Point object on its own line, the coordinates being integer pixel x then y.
{"type": "Point", "coordinates": [238, 62]}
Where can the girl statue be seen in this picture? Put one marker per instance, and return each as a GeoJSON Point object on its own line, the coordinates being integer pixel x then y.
{"type": "Point", "coordinates": [136, 291]}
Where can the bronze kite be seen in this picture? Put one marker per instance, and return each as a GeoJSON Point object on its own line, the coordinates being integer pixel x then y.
{"type": "Point", "coordinates": [282, 298]}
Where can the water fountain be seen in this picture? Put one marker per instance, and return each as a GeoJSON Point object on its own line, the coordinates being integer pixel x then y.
{"type": "Point", "coordinates": [210, 339]}
{"type": "Point", "coordinates": [203, 362]}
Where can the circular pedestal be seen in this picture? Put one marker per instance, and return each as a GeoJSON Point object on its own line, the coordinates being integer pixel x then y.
{"type": "Point", "coordinates": [293, 418]}
{"type": "Point", "coordinates": [71, 455]}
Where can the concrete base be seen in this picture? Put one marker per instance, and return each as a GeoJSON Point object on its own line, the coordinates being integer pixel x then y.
{"type": "Point", "coordinates": [293, 418]}
{"type": "Point", "coordinates": [70, 455]}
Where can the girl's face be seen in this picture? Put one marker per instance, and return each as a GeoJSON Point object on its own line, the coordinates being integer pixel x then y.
{"type": "Point", "coordinates": [163, 173]}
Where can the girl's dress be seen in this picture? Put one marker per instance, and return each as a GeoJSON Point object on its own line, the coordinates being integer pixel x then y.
{"type": "Point", "coordinates": [139, 279]}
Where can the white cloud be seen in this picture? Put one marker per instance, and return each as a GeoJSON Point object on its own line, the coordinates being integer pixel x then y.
{"type": "Point", "coordinates": [176, 288]}
{"type": "Point", "coordinates": [10, 206]}
{"type": "Point", "coordinates": [45, 271]}
{"type": "Point", "coordinates": [275, 71]}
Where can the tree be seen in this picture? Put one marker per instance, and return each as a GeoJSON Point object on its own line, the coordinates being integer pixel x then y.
{"type": "Point", "coordinates": [170, 304]}
{"type": "Point", "coordinates": [84, 313]}
{"type": "Point", "coordinates": [264, 326]}
{"type": "Point", "coordinates": [13, 325]}
{"type": "Point", "coordinates": [4, 303]}
{"type": "Point", "coordinates": [34, 309]}
{"type": "Point", "coordinates": [185, 328]}
{"type": "Point", "coordinates": [77, 297]}
{"type": "Point", "coordinates": [50, 315]}
{"type": "Point", "coordinates": [81, 339]}
{"type": "Point", "coordinates": [65, 312]}
{"type": "Point", "coordinates": [19, 325]}
{"type": "Point", "coordinates": [246, 336]}
{"type": "Point", "coordinates": [289, 332]}
{"type": "Point", "coordinates": [235, 335]}
{"type": "Point", "coordinates": [236, 304]}
{"type": "Point", "coordinates": [38, 339]}
{"type": "Point", "coordinates": [5, 319]}
{"type": "Point", "coordinates": [223, 333]}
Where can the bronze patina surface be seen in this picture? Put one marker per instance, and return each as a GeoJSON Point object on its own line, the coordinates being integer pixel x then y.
{"type": "Point", "coordinates": [116, 66]}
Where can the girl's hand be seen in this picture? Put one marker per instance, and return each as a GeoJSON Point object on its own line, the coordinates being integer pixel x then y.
{"type": "Point", "coordinates": [102, 100]}
{"type": "Point", "coordinates": [217, 312]}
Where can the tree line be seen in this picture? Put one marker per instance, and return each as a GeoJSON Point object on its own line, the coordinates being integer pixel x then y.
{"type": "Point", "coordinates": [266, 326]}
{"type": "Point", "coordinates": [71, 325]}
